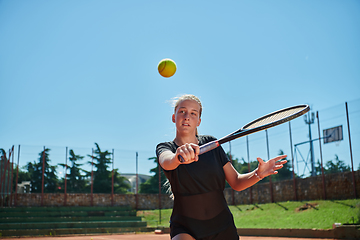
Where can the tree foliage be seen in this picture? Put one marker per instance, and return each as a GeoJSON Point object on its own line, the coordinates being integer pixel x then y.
{"type": "Point", "coordinates": [101, 174]}
{"type": "Point", "coordinates": [332, 166]}
{"type": "Point", "coordinates": [152, 184]}
{"type": "Point", "coordinates": [76, 181]}
{"type": "Point", "coordinates": [35, 171]}
{"type": "Point", "coordinates": [121, 185]}
{"type": "Point", "coordinates": [102, 181]}
{"type": "Point", "coordinates": [78, 178]}
{"type": "Point", "coordinates": [243, 167]}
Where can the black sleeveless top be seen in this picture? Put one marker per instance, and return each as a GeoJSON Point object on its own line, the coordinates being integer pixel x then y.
{"type": "Point", "coordinates": [199, 203]}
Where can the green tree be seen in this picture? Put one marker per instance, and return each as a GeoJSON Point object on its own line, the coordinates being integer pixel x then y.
{"type": "Point", "coordinates": [2, 154]}
{"type": "Point", "coordinates": [332, 166]}
{"type": "Point", "coordinates": [242, 167]}
{"type": "Point", "coordinates": [4, 174]}
{"type": "Point", "coordinates": [23, 175]}
{"type": "Point", "coordinates": [120, 183]}
{"type": "Point", "coordinates": [76, 182]}
{"type": "Point", "coordinates": [318, 168]}
{"type": "Point", "coordinates": [103, 177]}
{"type": "Point", "coordinates": [35, 170]}
{"type": "Point", "coordinates": [337, 166]}
{"type": "Point", "coordinates": [152, 184]}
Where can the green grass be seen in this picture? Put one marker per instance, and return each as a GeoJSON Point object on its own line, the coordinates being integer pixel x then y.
{"type": "Point", "coordinates": [302, 215]}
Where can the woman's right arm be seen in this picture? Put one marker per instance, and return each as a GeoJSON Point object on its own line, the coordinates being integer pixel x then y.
{"type": "Point", "coordinates": [170, 161]}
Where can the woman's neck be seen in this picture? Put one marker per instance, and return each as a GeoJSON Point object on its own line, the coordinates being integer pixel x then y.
{"type": "Point", "coordinates": [181, 140]}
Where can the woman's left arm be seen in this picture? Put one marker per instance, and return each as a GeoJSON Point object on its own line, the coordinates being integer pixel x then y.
{"type": "Point", "coordinates": [240, 182]}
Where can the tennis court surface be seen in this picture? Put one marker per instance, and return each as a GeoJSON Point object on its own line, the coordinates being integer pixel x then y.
{"type": "Point", "coordinates": [148, 236]}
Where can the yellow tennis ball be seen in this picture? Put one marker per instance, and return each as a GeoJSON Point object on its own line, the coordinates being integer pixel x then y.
{"type": "Point", "coordinates": [167, 67]}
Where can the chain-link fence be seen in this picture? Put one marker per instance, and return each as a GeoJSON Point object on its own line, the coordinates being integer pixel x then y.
{"type": "Point", "coordinates": [306, 149]}
{"type": "Point", "coordinates": [306, 140]}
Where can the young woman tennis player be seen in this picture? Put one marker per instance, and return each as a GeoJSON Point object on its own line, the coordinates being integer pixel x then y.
{"type": "Point", "coordinates": [200, 210]}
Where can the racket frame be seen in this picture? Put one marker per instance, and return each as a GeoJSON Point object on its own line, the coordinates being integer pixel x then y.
{"type": "Point", "coordinates": [243, 131]}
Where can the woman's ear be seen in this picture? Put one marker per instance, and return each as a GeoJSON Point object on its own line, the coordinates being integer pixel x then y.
{"type": "Point", "coordinates": [173, 118]}
{"type": "Point", "coordinates": [199, 122]}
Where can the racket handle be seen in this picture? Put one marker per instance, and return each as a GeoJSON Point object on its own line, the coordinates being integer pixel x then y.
{"type": "Point", "coordinates": [204, 148]}
{"type": "Point", "coordinates": [209, 146]}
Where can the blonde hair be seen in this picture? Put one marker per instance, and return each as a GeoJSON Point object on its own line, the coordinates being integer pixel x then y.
{"type": "Point", "coordinates": [178, 100]}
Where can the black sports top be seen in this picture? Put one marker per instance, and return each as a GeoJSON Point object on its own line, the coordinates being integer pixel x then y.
{"type": "Point", "coordinates": [199, 203]}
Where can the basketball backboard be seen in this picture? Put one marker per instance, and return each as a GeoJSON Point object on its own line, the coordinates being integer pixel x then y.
{"type": "Point", "coordinates": [333, 134]}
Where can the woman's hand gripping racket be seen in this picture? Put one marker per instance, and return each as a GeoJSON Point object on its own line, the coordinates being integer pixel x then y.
{"type": "Point", "coordinates": [268, 121]}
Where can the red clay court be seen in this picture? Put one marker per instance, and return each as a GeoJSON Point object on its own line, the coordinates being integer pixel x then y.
{"type": "Point", "coordinates": [148, 236]}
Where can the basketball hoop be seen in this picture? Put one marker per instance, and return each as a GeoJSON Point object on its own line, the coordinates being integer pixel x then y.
{"type": "Point", "coordinates": [334, 134]}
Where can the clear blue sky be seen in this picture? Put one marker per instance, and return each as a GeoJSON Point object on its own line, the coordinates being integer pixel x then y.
{"type": "Point", "coordinates": [73, 73]}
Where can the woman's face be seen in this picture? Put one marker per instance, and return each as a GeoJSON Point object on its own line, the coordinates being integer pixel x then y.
{"type": "Point", "coordinates": [187, 116]}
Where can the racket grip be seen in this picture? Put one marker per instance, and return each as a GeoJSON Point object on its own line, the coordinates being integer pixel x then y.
{"type": "Point", "coordinates": [208, 146]}
{"type": "Point", "coordinates": [204, 148]}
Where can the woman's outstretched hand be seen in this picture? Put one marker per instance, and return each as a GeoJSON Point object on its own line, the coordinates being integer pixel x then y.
{"type": "Point", "coordinates": [270, 167]}
{"type": "Point", "coordinates": [189, 153]}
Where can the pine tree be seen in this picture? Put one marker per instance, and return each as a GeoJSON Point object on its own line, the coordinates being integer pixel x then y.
{"type": "Point", "coordinates": [76, 182]}
{"type": "Point", "coordinates": [121, 186]}
{"type": "Point", "coordinates": [101, 176]}
{"type": "Point", "coordinates": [152, 184]}
{"type": "Point", "coordinates": [35, 171]}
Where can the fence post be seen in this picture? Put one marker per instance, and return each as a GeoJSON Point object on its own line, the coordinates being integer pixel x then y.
{"type": "Point", "coordinates": [321, 158]}
{"type": "Point", "coordinates": [42, 178]}
{"type": "Point", "coordinates": [137, 181]}
{"type": "Point", "coordinates": [11, 177]}
{"type": "Point", "coordinates": [3, 178]}
{"type": "Point", "coordinates": [292, 163]}
{"type": "Point", "coordinates": [159, 172]}
{"type": "Point", "coordinates": [351, 156]}
{"type": "Point", "coordinates": [92, 176]}
{"type": "Point", "coordinates": [112, 180]}
{"type": "Point", "coordinates": [65, 187]}
{"type": "Point", "coordinates": [232, 190]}
{"type": "Point", "coordinates": [270, 182]}
{"type": "Point", "coordinates": [17, 177]}
{"type": "Point", "coordinates": [8, 177]}
{"type": "Point", "coordinates": [248, 155]}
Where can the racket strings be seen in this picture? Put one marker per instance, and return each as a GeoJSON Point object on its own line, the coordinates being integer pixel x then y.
{"type": "Point", "coordinates": [274, 117]}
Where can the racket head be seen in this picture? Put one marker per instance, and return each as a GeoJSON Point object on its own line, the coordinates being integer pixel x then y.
{"type": "Point", "coordinates": [267, 121]}
{"type": "Point", "coordinates": [277, 117]}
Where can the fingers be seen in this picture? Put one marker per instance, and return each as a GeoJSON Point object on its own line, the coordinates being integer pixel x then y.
{"type": "Point", "coordinates": [189, 153]}
{"type": "Point", "coordinates": [260, 160]}
{"type": "Point", "coordinates": [279, 158]}
{"type": "Point", "coordinates": [278, 167]}
{"type": "Point", "coordinates": [279, 164]}
{"type": "Point", "coordinates": [269, 167]}
{"type": "Point", "coordinates": [196, 149]}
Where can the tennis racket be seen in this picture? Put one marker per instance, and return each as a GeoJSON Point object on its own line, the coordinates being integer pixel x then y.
{"type": "Point", "coordinates": [268, 121]}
